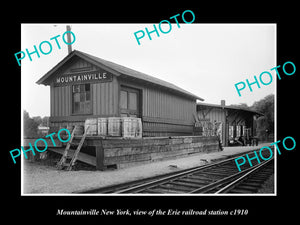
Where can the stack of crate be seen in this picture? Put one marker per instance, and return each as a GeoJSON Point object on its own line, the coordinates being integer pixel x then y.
{"type": "Point", "coordinates": [127, 127]}
{"type": "Point", "coordinates": [131, 127]}
{"type": "Point", "coordinates": [92, 123]}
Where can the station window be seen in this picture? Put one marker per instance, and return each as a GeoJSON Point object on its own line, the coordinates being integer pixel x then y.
{"type": "Point", "coordinates": [81, 99]}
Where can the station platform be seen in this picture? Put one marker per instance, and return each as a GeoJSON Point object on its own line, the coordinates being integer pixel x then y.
{"type": "Point", "coordinates": [40, 179]}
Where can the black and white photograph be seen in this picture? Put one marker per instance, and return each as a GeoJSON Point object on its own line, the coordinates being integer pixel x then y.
{"type": "Point", "coordinates": [162, 117]}
{"type": "Point", "coordinates": [172, 117]}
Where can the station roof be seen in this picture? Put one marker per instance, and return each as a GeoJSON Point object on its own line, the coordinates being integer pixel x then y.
{"type": "Point", "coordinates": [117, 70]}
{"type": "Point", "coordinates": [230, 107]}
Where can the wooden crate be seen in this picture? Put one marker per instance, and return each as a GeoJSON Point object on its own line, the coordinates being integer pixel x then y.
{"type": "Point", "coordinates": [131, 127]}
{"type": "Point", "coordinates": [92, 123]}
{"type": "Point", "coordinates": [102, 126]}
{"type": "Point", "coordinates": [114, 127]}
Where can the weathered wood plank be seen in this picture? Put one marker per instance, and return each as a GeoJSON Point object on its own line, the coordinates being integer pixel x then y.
{"type": "Point", "coordinates": [127, 158]}
{"type": "Point", "coordinates": [122, 152]}
{"type": "Point", "coordinates": [168, 154]}
{"type": "Point", "coordinates": [99, 158]}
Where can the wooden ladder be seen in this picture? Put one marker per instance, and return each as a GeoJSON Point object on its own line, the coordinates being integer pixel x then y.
{"type": "Point", "coordinates": [63, 161]}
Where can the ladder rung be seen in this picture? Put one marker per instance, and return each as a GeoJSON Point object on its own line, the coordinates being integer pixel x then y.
{"type": "Point", "coordinates": [77, 143]}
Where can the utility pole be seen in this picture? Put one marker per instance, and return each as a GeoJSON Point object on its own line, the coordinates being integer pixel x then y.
{"type": "Point", "coordinates": [69, 39]}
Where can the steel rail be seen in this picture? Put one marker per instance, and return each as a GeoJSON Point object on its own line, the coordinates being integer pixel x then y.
{"type": "Point", "coordinates": [163, 180]}
{"type": "Point", "coordinates": [200, 179]}
{"type": "Point", "coordinates": [206, 188]}
{"type": "Point", "coordinates": [243, 177]}
{"type": "Point", "coordinates": [225, 180]}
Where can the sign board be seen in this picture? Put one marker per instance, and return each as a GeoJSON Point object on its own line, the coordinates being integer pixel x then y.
{"type": "Point", "coordinates": [83, 77]}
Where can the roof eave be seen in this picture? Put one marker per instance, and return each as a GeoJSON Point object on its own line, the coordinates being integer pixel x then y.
{"type": "Point", "coordinates": [43, 79]}
{"type": "Point", "coordinates": [229, 107]}
{"type": "Point", "coordinates": [55, 68]}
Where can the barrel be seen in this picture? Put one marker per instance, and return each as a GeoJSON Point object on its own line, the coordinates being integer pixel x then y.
{"type": "Point", "coordinates": [92, 123]}
{"type": "Point", "coordinates": [114, 127]}
{"type": "Point", "coordinates": [102, 126]}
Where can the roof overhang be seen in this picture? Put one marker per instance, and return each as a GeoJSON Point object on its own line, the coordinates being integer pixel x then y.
{"type": "Point", "coordinates": [230, 107]}
{"type": "Point", "coordinates": [116, 70]}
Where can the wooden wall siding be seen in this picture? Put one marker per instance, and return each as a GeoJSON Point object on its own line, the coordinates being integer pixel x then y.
{"type": "Point", "coordinates": [212, 114]}
{"type": "Point", "coordinates": [235, 117]}
{"type": "Point", "coordinates": [160, 129]}
{"type": "Point", "coordinates": [105, 98]}
{"type": "Point", "coordinates": [60, 101]}
{"type": "Point", "coordinates": [164, 113]}
{"type": "Point", "coordinates": [104, 95]}
{"type": "Point", "coordinates": [76, 65]}
{"type": "Point", "coordinates": [161, 104]}
{"type": "Point", "coordinates": [215, 114]}
{"type": "Point", "coordinates": [61, 97]}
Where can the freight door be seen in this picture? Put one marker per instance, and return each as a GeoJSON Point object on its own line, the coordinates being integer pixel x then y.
{"type": "Point", "coordinates": [129, 102]}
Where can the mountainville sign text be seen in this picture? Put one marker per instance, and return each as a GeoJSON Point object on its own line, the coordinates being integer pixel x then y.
{"type": "Point", "coordinates": [93, 76]}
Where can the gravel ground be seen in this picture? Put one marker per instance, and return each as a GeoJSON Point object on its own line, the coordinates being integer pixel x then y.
{"type": "Point", "coordinates": [41, 177]}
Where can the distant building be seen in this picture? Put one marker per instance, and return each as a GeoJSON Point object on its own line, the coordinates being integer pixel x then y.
{"type": "Point", "coordinates": [234, 121]}
{"type": "Point", "coordinates": [43, 130]}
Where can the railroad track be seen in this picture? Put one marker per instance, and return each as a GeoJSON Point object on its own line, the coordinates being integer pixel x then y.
{"type": "Point", "coordinates": [250, 182]}
{"type": "Point", "coordinates": [219, 177]}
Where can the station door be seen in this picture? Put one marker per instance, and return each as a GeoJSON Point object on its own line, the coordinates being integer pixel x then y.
{"type": "Point", "coordinates": [129, 102]}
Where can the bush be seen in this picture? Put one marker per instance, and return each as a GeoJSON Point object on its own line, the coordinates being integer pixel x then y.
{"type": "Point", "coordinates": [265, 124]}
{"type": "Point", "coordinates": [30, 126]}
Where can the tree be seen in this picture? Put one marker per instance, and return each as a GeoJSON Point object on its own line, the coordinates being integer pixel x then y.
{"type": "Point", "coordinates": [266, 122]}
{"type": "Point", "coordinates": [30, 125]}
{"type": "Point", "coordinates": [37, 119]}
{"type": "Point", "coordinates": [45, 121]}
{"type": "Point", "coordinates": [241, 106]}
{"type": "Point", "coordinates": [265, 106]}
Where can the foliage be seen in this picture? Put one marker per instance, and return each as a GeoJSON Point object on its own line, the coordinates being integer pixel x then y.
{"type": "Point", "coordinates": [30, 125]}
{"type": "Point", "coordinates": [241, 106]}
{"type": "Point", "coordinates": [266, 122]}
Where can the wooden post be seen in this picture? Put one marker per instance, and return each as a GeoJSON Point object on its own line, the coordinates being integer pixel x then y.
{"type": "Point", "coordinates": [69, 39]}
{"type": "Point", "coordinates": [99, 157]}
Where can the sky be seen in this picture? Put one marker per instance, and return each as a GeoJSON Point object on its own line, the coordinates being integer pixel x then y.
{"type": "Point", "coordinates": [204, 59]}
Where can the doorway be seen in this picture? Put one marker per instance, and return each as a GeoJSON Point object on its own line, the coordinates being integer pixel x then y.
{"type": "Point", "coordinates": [129, 102]}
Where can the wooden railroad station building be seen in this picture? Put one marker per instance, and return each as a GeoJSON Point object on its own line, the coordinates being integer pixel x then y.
{"type": "Point", "coordinates": [84, 86]}
{"type": "Point", "coordinates": [235, 122]}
